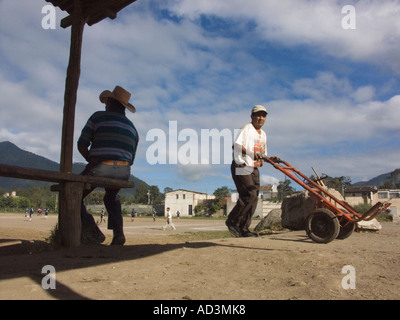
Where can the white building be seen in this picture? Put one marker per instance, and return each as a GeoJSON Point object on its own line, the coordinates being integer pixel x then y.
{"type": "Point", "coordinates": [185, 201]}
{"type": "Point", "coordinates": [265, 193]}
{"type": "Point", "coordinates": [264, 205]}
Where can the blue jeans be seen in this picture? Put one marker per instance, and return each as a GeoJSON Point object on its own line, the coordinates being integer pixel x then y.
{"type": "Point", "coordinates": [111, 197]}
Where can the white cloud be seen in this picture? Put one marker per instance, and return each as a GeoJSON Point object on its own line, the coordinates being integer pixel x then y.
{"type": "Point", "coordinates": [316, 23]}
{"type": "Point", "coordinates": [267, 180]}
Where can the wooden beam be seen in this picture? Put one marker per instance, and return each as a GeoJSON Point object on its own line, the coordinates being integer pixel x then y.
{"type": "Point", "coordinates": [98, 16]}
{"type": "Point", "coordinates": [55, 176]}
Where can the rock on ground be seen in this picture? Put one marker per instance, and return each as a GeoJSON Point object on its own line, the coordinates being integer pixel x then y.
{"type": "Point", "coordinates": [272, 218]}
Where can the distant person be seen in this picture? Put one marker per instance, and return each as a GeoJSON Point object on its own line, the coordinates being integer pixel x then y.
{"type": "Point", "coordinates": [168, 220]}
{"type": "Point", "coordinates": [102, 216]}
{"type": "Point", "coordinates": [133, 214]}
{"type": "Point", "coordinates": [154, 214]}
{"type": "Point", "coordinates": [108, 142]}
{"type": "Point", "coordinates": [30, 214]}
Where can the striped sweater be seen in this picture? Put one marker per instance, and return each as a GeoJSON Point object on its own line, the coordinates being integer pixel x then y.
{"type": "Point", "coordinates": [110, 135]}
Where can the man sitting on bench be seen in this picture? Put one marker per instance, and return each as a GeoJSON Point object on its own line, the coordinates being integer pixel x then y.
{"type": "Point", "coordinates": [108, 142]}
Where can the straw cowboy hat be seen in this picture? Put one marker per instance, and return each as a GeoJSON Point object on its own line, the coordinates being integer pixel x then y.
{"type": "Point", "coordinates": [119, 94]}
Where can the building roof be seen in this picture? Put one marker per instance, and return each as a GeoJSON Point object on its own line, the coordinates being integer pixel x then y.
{"type": "Point", "coordinates": [355, 189]}
{"type": "Point", "coordinates": [266, 188]}
{"type": "Point", "coordinates": [188, 191]}
{"type": "Point", "coordinates": [94, 10]}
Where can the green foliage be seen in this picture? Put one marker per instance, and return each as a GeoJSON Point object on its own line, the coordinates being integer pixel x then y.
{"type": "Point", "coordinates": [209, 207]}
{"type": "Point", "coordinates": [144, 193]}
{"type": "Point", "coordinates": [392, 181]}
{"type": "Point", "coordinates": [35, 196]}
{"type": "Point", "coordinates": [338, 183]}
{"type": "Point", "coordinates": [364, 207]}
{"type": "Point", "coordinates": [15, 203]}
{"type": "Point", "coordinates": [284, 188]}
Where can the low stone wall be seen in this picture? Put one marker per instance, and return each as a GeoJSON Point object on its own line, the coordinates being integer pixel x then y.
{"type": "Point", "coordinates": [141, 209]}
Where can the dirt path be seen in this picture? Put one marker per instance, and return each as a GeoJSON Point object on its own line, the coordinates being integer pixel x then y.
{"type": "Point", "coordinates": [155, 264]}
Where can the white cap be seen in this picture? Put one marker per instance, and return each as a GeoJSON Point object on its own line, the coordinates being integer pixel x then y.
{"type": "Point", "coordinates": [258, 108]}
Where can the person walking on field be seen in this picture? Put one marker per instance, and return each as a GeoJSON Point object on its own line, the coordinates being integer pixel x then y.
{"type": "Point", "coordinates": [108, 142]}
{"type": "Point", "coordinates": [168, 220]}
{"type": "Point", "coordinates": [249, 146]}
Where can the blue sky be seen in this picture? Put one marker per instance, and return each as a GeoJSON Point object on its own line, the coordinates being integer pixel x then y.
{"type": "Point", "coordinates": [333, 94]}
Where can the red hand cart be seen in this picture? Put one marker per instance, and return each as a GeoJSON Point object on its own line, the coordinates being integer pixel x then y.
{"type": "Point", "coordinates": [332, 218]}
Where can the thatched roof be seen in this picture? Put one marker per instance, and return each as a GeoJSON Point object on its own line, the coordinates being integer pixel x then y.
{"type": "Point", "coordinates": [94, 10]}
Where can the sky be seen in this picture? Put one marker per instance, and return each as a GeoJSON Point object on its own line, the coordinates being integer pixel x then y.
{"type": "Point", "coordinates": [328, 73]}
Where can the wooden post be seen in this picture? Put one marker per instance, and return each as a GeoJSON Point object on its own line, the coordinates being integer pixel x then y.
{"type": "Point", "coordinates": [69, 219]}
{"type": "Point", "coordinates": [71, 87]}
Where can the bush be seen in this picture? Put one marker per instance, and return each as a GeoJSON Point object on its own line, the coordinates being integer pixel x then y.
{"type": "Point", "coordinates": [363, 208]}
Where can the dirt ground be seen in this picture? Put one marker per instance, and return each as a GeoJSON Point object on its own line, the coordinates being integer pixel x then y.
{"type": "Point", "coordinates": [171, 265]}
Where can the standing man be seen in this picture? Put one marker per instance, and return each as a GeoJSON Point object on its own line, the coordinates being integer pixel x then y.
{"type": "Point", "coordinates": [108, 142]}
{"type": "Point", "coordinates": [249, 146]}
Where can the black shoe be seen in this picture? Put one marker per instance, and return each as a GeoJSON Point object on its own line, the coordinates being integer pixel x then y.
{"type": "Point", "coordinates": [232, 229]}
{"type": "Point", "coordinates": [118, 238]}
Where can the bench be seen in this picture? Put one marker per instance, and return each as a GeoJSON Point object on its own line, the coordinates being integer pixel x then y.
{"type": "Point", "coordinates": [71, 187]}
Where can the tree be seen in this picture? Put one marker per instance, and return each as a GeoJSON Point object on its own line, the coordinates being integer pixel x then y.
{"type": "Point", "coordinates": [167, 189]}
{"type": "Point", "coordinates": [209, 207]}
{"type": "Point", "coordinates": [222, 192]}
{"type": "Point", "coordinates": [338, 183]}
{"type": "Point", "coordinates": [284, 188]}
{"type": "Point", "coordinates": [95, 197]}
{"type": "Point", "coordinates": [156, 197]}
{"type": "Point", "coordinates": [393, 181]}
{"type": "Point", "coordinates": [141, 193]}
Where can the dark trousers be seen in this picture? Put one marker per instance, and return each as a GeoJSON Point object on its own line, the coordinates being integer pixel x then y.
{"type": "Point", "coordinates": [111, 197]}
{"type": "Point", "coordinates": [247, 181]}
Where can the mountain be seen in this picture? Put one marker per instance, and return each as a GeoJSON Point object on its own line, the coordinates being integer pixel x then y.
{"type": "Point", "coordinates": [12, 155]}
{"type": "Point", "coordinates": [378, 181]}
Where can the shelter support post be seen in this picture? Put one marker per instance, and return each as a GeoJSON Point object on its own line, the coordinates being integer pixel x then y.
{"type": "Point", "coordinates": [69, 219]}
{"type": "Point", "coordinates": [71, 87]}
{"type": "Point", "coordinates": [71, 192]}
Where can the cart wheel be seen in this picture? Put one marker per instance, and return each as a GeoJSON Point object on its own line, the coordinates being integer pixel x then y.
{"type": "Point", "coordinates": [322, 226]}
{"type": "Point", "coordinates": [346, 229]}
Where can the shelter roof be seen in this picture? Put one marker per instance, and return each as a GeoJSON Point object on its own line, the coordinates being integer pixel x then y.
{"type": "Point", "coordinates": [94, 10]}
